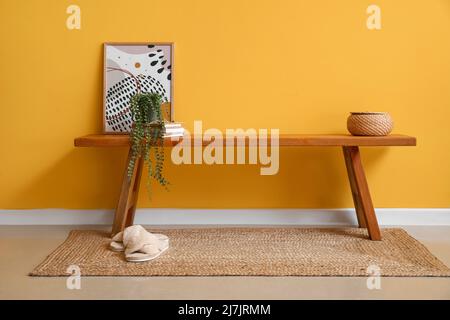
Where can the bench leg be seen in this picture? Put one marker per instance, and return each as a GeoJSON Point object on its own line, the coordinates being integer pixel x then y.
{"type": "Point", "coordinates": [360, 192]}
{"type": "Point", "coordinates": [126, 207]}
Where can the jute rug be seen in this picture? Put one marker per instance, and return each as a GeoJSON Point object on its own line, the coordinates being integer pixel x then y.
{"type": "Point", "coordinates": [252, 252]}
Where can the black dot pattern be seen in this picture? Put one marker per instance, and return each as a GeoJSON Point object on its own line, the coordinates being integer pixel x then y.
{"type": "Point", "coordinates": [118, 114]}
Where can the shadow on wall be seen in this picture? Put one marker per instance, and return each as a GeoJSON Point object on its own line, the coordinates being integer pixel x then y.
{"type": "Point", "coordinates": [317, 177]}
{"type": "Point", "coordinates": [307, 178]}
{"type": "Point", "coordinates": [87, 178]}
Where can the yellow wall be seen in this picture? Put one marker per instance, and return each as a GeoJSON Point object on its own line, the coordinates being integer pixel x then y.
{"type": "Point", "coordinates": [297, 65]}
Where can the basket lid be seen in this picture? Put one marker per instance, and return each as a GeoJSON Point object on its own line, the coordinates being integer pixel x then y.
{"type": "Point", "coordinates": [367, 112]}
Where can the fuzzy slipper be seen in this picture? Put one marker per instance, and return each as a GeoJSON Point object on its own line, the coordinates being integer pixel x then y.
{"type": "Point", "coordinates": [139, 244]}
{"type": "Point", "coordinates": [117, 241]}
{"type": "Point", "coordinates": [148, 252]}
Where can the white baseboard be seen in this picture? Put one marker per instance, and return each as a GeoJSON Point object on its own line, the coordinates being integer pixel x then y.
{"type": "Point", "coordinates": [340, 217]}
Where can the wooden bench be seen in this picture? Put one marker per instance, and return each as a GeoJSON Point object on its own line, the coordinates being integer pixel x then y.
{"type": "Point", "coordinates": [362, 200]}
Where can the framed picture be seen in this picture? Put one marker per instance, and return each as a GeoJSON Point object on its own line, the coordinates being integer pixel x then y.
{"type": "Point", "coordinates": [127, 67]}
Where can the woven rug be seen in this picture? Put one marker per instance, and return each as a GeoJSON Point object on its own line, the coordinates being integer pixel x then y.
{"type": "Point", "coordinates": [252, 252]}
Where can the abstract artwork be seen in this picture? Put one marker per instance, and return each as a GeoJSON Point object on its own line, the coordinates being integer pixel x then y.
{"type": "Point", "coordinates": [130, 67]}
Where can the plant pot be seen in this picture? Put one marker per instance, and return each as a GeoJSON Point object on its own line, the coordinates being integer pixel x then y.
{"type": "Point", "coordinates": [369, 123]}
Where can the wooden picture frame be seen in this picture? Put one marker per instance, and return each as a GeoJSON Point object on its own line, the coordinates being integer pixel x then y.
{"type": "Point", "coordinates": [150, 63]}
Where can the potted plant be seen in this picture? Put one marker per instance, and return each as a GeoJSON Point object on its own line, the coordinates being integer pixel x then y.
{"type": "Point", "coordinates": [147, 136]}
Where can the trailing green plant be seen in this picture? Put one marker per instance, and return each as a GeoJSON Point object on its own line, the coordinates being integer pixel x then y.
{"type": "Point", "coordinates": [147, 136]}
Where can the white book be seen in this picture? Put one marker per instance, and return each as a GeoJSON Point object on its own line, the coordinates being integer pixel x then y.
{"type": "Point", "coordinates": [173, 131]}
{"type": "Point", "coordinates": [173, 135]}
{"type": "Point", "coordinates": [172, 125]}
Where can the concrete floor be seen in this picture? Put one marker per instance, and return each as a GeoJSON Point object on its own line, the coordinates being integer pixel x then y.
{"type": "Point", "coordinates": [23, 247]}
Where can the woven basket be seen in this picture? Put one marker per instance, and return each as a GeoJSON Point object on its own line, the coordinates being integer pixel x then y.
{"type": "Point", "coordinates": [369, 123]}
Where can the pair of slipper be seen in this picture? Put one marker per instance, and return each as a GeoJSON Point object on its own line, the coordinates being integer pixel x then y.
{"type": "Point", "coordinates": [138, 244]}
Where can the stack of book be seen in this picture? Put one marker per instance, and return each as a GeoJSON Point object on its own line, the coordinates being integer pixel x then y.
{"type": "Point", "coordinates": [173, 129]}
